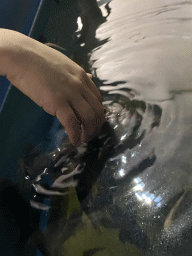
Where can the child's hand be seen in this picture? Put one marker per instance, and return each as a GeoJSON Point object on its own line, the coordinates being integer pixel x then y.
{"type": "Point", "coordinates": [57, 84]}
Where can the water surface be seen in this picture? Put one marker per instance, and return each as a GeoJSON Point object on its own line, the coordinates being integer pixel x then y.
{"type": "Point", "coordinates": [130, 189]}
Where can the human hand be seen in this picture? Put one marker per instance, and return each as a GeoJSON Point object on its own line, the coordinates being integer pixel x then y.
{"type": "Point", "coordinates": [58, 85]}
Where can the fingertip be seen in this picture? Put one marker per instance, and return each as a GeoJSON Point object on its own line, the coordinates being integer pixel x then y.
{"type": "Point", "coordinates": [83, 136]}
{"type": "Point", "coordinates": [75, 142]}
{"type": "Point", "coordinates": [89, 75]}
{"type": "Point", "coordinates": [74, 136]}
{"type": "Point", "coordinates": [71, 124]}
{"type": "Point", "coordinates": [86, 135]}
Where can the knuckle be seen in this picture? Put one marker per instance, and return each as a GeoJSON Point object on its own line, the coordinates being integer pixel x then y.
{"type": "Point", "coordinates": [71, 119]}
{"type": "Point", "coordinates": [90, 117]}
{"type": "Point", "coordinates": [82, 73]}
{"type": "Point", "coordinates": [78, 84]}
{"type": "Point", "coordinates": [49, 107]}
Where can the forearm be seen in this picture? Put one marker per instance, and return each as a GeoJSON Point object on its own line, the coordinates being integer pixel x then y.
{"type": "Point", "coordinates": [20, 56]}
{"type": "Point", "coordinates": [18, 51]}
{"type": "Point", "coordinates": [14, 52]}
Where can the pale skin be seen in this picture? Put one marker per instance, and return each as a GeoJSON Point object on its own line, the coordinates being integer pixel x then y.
{"type": "Point", "coordinates": [54, 82]}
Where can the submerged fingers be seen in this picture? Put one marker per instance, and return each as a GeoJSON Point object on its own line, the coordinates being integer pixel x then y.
{"type": "Point", "coordinates": [72, 125]}
{"type": "Point", "coordinates": [91, 118]}
{"type": "Point", "coordinates": [82, 118]}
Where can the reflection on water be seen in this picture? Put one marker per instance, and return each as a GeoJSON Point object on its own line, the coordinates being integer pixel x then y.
{"type": "Point", "coordinates": [128, 192]}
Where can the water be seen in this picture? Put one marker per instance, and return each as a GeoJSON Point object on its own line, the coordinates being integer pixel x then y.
{"type": "Point", "coordinates": [129, 191]}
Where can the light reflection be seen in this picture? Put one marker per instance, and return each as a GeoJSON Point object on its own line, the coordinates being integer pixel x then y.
{"type": "Point", "coordinates": [137, 180]}
{"type": "Point", "coordinates": [139, 187]}
{"type": "Point", "coordinates": [124, 159]}
{"type": "Point", "coordinates": [151, 196]}
{"type": "Point", "coordinates": [133, 154]}
{"type": "Point", "coordinates": [122, 172]}
{"type": "Point", "coordinates": [45, 170]}
{"type": "Point", "coordinates": [157, 199]}
{"type": "Point", "coordinates": [146, 197]}
{"type": "Point", "coordinates": [139, 196]}
{"type": "Point", "coordinates": [123, 137]}
{"type": "Point", "coordinates": [80, 24]}
{"type": "Point", "coordinates": [159, 204]}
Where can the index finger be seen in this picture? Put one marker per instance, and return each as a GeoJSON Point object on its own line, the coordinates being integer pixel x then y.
{"type": "Point", "coordinates": [72, 125]}
{"type": "Point", "coordinates": [91, 85]}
